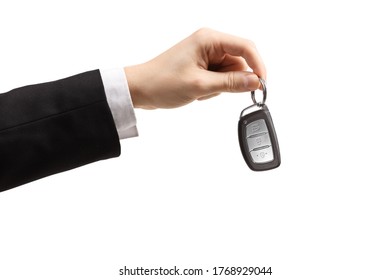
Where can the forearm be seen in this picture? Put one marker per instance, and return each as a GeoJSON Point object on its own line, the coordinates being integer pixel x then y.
{"type": "Point", "coordinates": [53, 127]}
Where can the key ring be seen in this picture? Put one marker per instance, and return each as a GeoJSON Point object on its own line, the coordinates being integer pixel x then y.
{"type": "Point", "coordinates": [264, 94]}
{"type": "Point", "coordinates": [255, 103]}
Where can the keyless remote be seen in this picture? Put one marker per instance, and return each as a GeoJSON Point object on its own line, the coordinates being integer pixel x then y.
{"type": "Point", "coordinates": [257, 136]}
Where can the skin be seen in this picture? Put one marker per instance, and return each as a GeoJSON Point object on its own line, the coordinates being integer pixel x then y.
{"type": "Point", "coordinates": [200, 67]}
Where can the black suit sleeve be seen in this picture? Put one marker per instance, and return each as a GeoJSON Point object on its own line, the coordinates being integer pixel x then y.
{"type": "Point", "coordinates": [53, 127]}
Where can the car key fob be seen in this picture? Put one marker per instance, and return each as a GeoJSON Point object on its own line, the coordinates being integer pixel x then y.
{"type": "Point", "coordinates": [257, 136]}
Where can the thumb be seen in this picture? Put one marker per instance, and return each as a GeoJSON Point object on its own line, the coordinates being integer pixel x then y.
{"type": "Point", "coordinates": [233, 81]}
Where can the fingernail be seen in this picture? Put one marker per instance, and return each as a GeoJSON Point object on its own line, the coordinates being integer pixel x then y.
{"type": "Point", "coordinates": [251, 82]}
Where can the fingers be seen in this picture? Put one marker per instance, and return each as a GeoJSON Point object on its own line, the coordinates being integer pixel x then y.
{"type": "Point", "coordinates": [241, 47]}
{"type": "Point", "coordinates": [230, 63]}
{"type": "Point", "coordinates": [228, 44]}
{"type": "Point", "coordinates": [233, 81]}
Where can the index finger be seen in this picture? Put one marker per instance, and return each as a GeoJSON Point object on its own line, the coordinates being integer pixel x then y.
{"type": "Point", "coordinates": [237, 46]}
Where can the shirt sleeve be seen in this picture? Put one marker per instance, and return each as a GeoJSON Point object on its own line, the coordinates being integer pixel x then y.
{"type": "Point", "coordinates": [119, 101]}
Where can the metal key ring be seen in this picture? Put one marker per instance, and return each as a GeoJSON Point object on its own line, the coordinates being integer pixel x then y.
{"type": "Point", "coordinates": [264, 94]}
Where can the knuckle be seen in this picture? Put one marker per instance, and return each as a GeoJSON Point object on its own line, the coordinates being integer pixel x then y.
{"type": "Point", "coordinates": [198, 85]}
{"type": "Point", "coordinates": [230, 81]}
{"type": "Point", "coordinates": [203, 33]}
{"type": "Point", "coordinates": [251, 43]}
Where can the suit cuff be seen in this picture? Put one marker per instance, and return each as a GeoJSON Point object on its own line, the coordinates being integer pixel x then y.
{"type": "Point", "coordinates": [119, 101]}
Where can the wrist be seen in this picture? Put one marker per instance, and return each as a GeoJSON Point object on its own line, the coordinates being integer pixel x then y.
{"type": "Point", "coordinates": [134, 78]}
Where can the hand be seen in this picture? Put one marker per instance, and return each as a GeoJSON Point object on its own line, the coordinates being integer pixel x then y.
{"type": "Point", "coordinates": [199, 67]}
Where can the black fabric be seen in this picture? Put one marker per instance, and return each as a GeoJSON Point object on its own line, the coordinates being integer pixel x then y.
{"type": "Point", "coordinates": [53, 127]}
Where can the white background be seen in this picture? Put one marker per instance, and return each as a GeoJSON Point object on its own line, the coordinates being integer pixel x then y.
{"type": "Point", "coordinates": [181, 193]}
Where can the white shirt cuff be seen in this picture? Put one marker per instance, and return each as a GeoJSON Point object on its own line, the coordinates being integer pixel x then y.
{"type": "Point", "coordinates": [119, 101]}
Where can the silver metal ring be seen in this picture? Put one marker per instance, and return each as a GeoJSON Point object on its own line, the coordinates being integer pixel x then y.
{"type": "Point", "coordinates": [263, 85]}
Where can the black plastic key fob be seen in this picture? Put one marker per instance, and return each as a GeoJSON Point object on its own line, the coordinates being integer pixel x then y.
{"type": "Point", "coordinates": [258, 140]}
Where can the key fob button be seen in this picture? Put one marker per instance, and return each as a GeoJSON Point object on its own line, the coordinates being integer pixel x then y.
{"type": "Point", "coordinates": [256, 127]}
{"type": "Point", "coordinates": [262, 155]}
{"type": "Point", "coordinates": [258, 141]}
